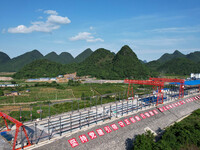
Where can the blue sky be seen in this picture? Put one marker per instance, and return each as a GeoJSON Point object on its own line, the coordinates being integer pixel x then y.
{"type": "Point", "coordinates": [149, 27]}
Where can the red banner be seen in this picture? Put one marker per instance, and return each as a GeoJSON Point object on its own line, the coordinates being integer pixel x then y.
{"type": "Point", "coordinates": [100, 132]}
{"type": "Point", "coordinates": [73, 142]}
{"type": "Point", "coordinates": [114, 127]}
{"type": "Point", "coordinates": [151, 113]}
{"type": "Point", "coordinates": [121, 124]}
{"type": "Point", "coordinates": [127, 121]}
{"type": "Point", "coordinates": [132, 119]}
{"type": "Point", "coordinates": [137, 118]}
{"type": "Point", "coordinates": [143, 116]}
{"type": "Point", "coordinates": [92, 135]}
{"type": "Point", "coordinates": [83, 138]}
{"type": "Point", "coordinates": [147, 114]}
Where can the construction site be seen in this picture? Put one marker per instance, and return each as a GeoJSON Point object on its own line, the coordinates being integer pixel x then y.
{"type": "Point", "coordinates": [111, 125]}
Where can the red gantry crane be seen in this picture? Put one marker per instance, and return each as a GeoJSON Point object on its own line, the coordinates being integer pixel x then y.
{"type": "Point", "coordinates": [18, 125]}
{"type": "Point", "coordinates": [158, 84]}
{"type": "Point", "coordinates": [181, 81]}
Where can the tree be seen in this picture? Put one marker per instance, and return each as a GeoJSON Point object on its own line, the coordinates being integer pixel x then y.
{"type": "Point", "coordinates": [1, 93]}
{"type": "Point", "coordinates": [82, 96]}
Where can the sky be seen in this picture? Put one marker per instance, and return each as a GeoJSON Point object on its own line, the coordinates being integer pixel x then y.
{"type": "Point", "coordinates": [150, 27]}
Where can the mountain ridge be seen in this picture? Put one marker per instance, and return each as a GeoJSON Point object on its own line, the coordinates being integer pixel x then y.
{"type": "Point", "coordinates": [102, 63]}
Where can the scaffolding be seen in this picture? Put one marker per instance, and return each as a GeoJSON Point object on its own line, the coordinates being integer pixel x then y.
{"type": "Point", "coordinates": [181, 81]}
{"type": "Point", "coordinates": [158, 84]}
{"type": "Point", "coordinates": [18, 125]}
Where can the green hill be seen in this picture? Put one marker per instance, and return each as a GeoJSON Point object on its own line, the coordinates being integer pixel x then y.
{"type": "Point", "coordinates": [15, 64]}
{"type": "Point", "coordinates": [101, 63]}
{"type": "Point", "coordinates": [4, 58]}
{"type": "Point", "coordinates": [63, 58]}
{"type": "Point", "coordinates": [18, 62]}
{"type": "Point", "coordinates": [52, 57]}
{"type": "Point", "coordinates": [195, 56]}
{"type": "Point", "coordinates": [153, 65]}
{"type": "Point", "coordinates": [40, 68]}
{"type": "Point", "coordinates": [126, 64]}
{"type": "Point", "coordinates": [66, 58]}
{"type": "Point", "coordinates": [179, 66]}
{"type": "Point", "coordinates": [98, 64]}
{"type": "Point", "coordinates": [82, 56]}
{"type": "Point", "coordinates": [167, 57]}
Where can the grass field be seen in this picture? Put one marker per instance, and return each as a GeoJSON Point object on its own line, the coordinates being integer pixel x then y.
{"type": "Point", "coordinates": [42, 95]}
{"type": "Point", "coordinates": [53, 109]}
{"type": "Point", "coordinates": [38, 94]}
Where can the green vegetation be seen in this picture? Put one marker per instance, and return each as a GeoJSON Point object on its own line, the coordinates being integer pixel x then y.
{"type": "Point", "coordinates": [195, 56]}
{"type": "Point", "coordinates": [54, 109]}
{"type": "Point", "coordinates": [4, 58]}
{"type": "Point", "coordinates": [167, 57]}
{"type": "Point", "coordinates": [40, 68]}
{"type": "Point", "coordinates": [82, 56]}
{"type": "Point", "coordinates": [63, 58]}
{"type": "Point", "coordinates": [18, 62]}
{"type": "Point", "coordinates": [101, 64]}
{"type": "Point", "coordinates": [179, 66]}
{"type": "Point", "coordinates": [15, 64]}
{"type": "Point", "coordinates": [52, 91]}
{"type": "Point", "coordinates": [1, 92]}
{"type": "Point", "coordinates": [98, 64]}
{"type": "Point", "coordinates": [182, 135]}
{"type": "Point", "coordinates": [176, 64]}
{"type": "Point", "coordinates": [73, 83]}
{"type": "Point", "coordinates": [127, 65]}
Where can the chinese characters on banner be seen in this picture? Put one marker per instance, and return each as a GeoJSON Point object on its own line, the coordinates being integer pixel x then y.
{"type": "Point", "coordinates": [132, 119]}
{"type": "Point", "coordinates": [107, 128]}
{"type": "Point", "coordinates": [83, 138]}
{"type": "Point", "coordinates": [161, 109]}
{"type": "Point", "coordinates": [151, 113]}
{"type": "Point", "coordinates": [100, 132]}
{"type": "Point", "coordinates": [92, 135]}
{"type": "Point", "coordinates": [121, 124]}
{"type": "Point", "coordinates": [73, 142]}
{"type": "Point", "coordinates": [155, 111]}
{"type": "Point", "coordinates": [127, 121]}
{"type": "Point", "coordinates": [147, 114]}
{"type": "Point", "coordinates": [143, 116]}
{"type": "Point", "coordinates": [137, 118]}
{"type": "Point", "coordinates": [114, 127]}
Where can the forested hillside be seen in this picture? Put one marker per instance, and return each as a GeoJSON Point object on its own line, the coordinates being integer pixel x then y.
{"type": "Point", "coordinates": [176, 63]}
{"type": "Point", "coordinates": [40, 68]}
{"type": "Point", "coordinates": [101, 64]}
{"type": "Point", "coordinates": [104, 64]}
{"type": "Point", "coordinates": [15, 64]}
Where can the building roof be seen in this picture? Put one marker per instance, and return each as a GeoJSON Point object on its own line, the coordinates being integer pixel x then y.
{"type": "Point", "coordinates": [192, 82]}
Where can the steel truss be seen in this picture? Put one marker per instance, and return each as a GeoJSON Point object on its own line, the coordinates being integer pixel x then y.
{"type": "Point", "coordinates": [18, 125]}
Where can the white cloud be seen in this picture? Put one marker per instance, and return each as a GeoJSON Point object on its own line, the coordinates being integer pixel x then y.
{"type": "Point", "coordinates": [177, 30]}
{"type": "Point", "coordinates": [50, 12]}
{"type": "Point", "coordinates": [53, 22]}
{"type": "Point", "coordinates": [58, 19]}
{"type": "Point", "coordinates": [86, 36]}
